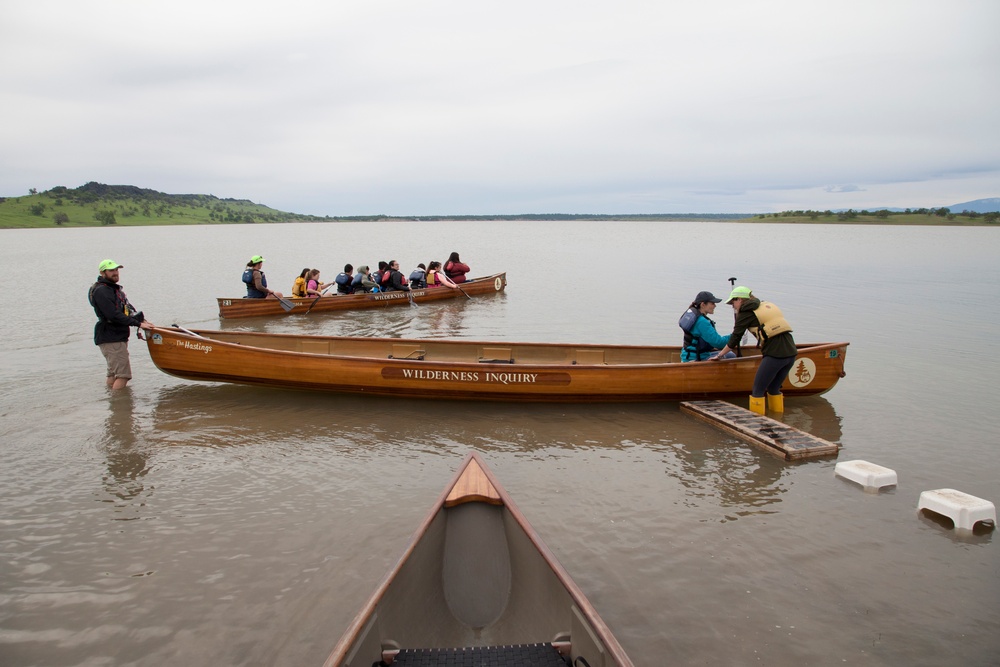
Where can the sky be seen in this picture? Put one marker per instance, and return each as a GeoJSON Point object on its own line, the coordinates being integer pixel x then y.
{"type": "Point", "coordinates": [446, 107]}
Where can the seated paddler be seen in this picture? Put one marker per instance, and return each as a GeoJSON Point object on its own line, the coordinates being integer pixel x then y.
{"type": "Point", "coordinates": [256, 281]}
{"type": "Point", "coordinates": [701, 340]}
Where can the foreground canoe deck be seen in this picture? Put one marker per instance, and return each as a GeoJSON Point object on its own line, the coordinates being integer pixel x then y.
{"type": "Point", "coordinates": [474, 370]}
{"type": "Point", "coordinates": [236, 307]}
{"type": "Point", "coordinates": [477, 583]}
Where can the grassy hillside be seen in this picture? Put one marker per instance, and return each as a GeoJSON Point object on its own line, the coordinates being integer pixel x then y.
{"type": "Point", "coordinates": [96, 204]}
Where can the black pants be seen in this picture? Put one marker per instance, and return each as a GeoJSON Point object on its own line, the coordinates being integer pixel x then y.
{"type": "Point", "coordinates": [771, 374]}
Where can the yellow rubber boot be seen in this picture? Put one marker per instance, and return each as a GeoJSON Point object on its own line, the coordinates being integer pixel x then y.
{"type": "Point", "coordinates": [757, 404]}
{"type": "Point", "coordinates": [776, 402]}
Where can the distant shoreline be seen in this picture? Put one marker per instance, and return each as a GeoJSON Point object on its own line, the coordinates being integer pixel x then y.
{"type": "Point", "coordinates": [99, 205]}
{"type": "Point", "coordinates": [868, 221]}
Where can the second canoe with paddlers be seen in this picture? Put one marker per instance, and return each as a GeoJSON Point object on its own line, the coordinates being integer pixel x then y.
{"type": "Point", "coordinates": [237, 307]}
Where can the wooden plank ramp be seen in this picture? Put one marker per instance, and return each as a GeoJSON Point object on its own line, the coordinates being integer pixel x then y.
{"type": "Point", "coordinates": [769, 434]}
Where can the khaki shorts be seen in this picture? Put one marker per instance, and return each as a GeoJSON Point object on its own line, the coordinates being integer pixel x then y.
{"type": "Point", "coordinates": [117, 356]}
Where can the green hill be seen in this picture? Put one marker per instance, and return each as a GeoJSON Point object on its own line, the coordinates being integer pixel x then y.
{"type": "Point", "coordinates": [96, 204]}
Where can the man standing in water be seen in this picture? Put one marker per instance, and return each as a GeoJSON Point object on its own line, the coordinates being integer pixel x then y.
{"type": "Point", "coordinates": [114, 317]}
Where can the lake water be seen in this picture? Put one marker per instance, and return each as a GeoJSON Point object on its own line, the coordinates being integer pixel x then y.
{"type": "Point", "coordinates": [201, 524]}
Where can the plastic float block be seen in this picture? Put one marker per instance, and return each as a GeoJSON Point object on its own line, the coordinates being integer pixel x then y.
{"type": "Point", "coordinates": [964, 510]}
{"type": "Point", "coordinates": [866, 474]}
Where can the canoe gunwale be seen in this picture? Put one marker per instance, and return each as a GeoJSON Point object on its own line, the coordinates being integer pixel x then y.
{"type": "Point", "coordinates": [361, 620]}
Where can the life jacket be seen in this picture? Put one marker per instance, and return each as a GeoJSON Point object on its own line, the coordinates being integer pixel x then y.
{"type": "Point", "coordinates": [417, 278]}
{"type": "Point", "coordinates": [432, 279]}
{"type": "Point", "coordinates": [343, 283]}
{"type": "Point", "coordinates": [772, 322]}
{"type": "Point", "coordinates": [299, 288]}
{"type": "Point", "coordinates": [253, 292]}
{"type": "Point", "coordinates": [692, 343]}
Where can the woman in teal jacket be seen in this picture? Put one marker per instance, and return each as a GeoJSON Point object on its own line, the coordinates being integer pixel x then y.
{"type": "Point", "coordinates": [701, 340]}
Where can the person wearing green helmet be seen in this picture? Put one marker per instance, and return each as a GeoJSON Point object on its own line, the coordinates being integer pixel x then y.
{"type": "Point", "coordinates": [777, 347]}
{"type": "Point", "coordinates": [256, 281]}
{"type": "Point", "coordinates": [114, 317]}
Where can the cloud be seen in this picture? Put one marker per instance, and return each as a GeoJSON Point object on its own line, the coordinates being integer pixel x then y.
{"type": "Point", "coordinates": [443, 106]}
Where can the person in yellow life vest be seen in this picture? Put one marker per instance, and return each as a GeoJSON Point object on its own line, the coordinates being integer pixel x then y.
{"type": "Point", "coordinates": [299, 286]}
{"type": "Point", "coordinates": [777, 347]}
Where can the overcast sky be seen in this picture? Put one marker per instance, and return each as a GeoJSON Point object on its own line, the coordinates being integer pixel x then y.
{"type": "Point", "coordinates": [477, 107]}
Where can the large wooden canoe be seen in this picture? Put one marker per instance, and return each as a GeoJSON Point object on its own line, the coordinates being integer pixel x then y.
{"type": "Point", "coordinates": [230, 308]}
{"type": "Point", "coordinates": [461, 369]}
{"type": "Point", "coordinates": [475, 584]}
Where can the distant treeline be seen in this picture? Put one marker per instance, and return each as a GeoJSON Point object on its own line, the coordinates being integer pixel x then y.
{"type": "Point", "coordinates": [555, 216]}
{"type": "Point", "coordinates": [885, 215]}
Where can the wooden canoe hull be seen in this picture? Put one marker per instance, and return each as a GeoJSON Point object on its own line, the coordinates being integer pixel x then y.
{"type": "Point", "coordinates": [232, 308]}
{"type": "Point", "coordinates": [475, 370]}
{"type": "Point", "coordinates": [476, 573]}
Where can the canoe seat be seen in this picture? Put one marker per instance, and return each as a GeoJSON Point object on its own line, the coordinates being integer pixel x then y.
{"type": "Point", "coordinates": [590, 358]}
{"type": "Point", "coordinates": [528, 655]}
{"type": "Point", "coordinates": [496, 355]}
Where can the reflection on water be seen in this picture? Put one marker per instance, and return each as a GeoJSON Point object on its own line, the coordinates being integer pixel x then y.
{"type": "Point", "coordinates": [122, 443]}
{"type": "Point", "coordinates": [814, 415]}
{"type": "Point", "coordinates": [706, 462]}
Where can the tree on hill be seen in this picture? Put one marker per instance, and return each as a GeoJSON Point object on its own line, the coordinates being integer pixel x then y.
{"type": "Point", "coordinates": [105, 217]}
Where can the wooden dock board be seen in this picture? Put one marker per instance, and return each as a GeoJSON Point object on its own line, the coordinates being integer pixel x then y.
{"type": "Point", "coordinates": [769, 434]}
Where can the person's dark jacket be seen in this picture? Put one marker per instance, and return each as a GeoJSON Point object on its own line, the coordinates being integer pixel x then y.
{"type": "Point", "coordinates": [114, 313]}
{"type": "Point", "coordinates": [782, 345]}
{"type": "Point", "coordinates": [397, 283]}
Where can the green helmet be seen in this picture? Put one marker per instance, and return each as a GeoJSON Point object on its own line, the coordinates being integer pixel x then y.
{"type": "Point", "coordinates": [739, 293]}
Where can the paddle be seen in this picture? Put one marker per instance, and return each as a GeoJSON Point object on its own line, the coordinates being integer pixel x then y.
{"type": "Point", "coordinates": [462, 291]}
{"type": "Point", "coordinates": [285, 303]}
{"type": "Point", "coordinates": [189, 333]}
{"type": "Point", "coordinates": [318, 298]}
{"type": "Point", "coordinates": [409, 295]}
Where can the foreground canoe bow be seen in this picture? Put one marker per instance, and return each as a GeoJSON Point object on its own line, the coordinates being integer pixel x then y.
{"type": "Point", "coordinates": [476, 583]}
{"type": "Point", "coordinates": [232, 308]}
{"type": "Point", "coordinates": [474, 370]}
